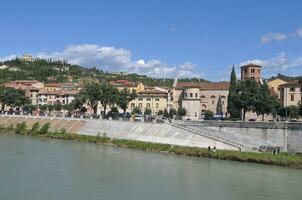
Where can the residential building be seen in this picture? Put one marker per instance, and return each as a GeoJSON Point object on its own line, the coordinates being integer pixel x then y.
{"type": "Point", "coordinates": [196, 98]}
{"type": "Point", "coordinates": [291, 93]}
{"type": "Point", "coordinates": [251, 71]}
{"type": "Point", "coordinates": [59, 96]}
{"type": "Point", "coordinates": [152, 99]}
{"type": "Point", "coordinates": [31, 88]}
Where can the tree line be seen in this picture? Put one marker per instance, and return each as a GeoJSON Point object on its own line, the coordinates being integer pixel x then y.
{"type": "Point", "coordinates": [248, 95]}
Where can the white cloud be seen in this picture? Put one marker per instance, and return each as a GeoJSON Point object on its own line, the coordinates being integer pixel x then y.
{"type": "Point", "coordinates": [10, 57]}
{"type": "Point", "coordinates": [118, 59]}
{"type": "Point", "coordinates": [279, 37]}
{"type": "Point", "coordinates": [299, 32]}
{"type": "Point", "coordinates": [278, 64]}
{"type": "Point", "coordinates": [272, 37]}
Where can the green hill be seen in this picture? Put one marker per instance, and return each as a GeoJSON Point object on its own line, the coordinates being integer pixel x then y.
{"type": "Point", "coordinates": [60, 71]}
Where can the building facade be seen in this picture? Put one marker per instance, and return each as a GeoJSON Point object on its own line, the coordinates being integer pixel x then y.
{"type": "Point", "coordinates": [199, 97]}
{"type": "Point", "coordinates": [252, 72]}
{"type": "Point", "coordinates": [291, 93]}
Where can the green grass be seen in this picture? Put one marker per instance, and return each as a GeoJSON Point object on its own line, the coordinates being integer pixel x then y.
{"type": "Point", "coordinates": [282, 159]}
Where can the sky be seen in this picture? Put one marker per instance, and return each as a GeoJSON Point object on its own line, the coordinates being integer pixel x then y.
{"type": "Point", "coordinates": [159, 38]}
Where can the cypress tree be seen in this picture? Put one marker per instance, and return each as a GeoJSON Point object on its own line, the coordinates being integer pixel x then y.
{"type": "Point", "coordinates": [232, 108]}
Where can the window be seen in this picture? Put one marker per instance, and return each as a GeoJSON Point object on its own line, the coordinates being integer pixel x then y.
{"type": "Point", "coordinates": [196, 95]}
{"type": "Point", "coordinates": [213, 102]}
{"type": "Point", "coordinates": [222, 102]}
{"type": "Point", "coordinates": [213, 97]}
{"type": "Point", "coordinates": [253, 78]}
{"type": "Point", "coordinates": [157, 105]}
{"type": "Point", "coordinates": [259, 71]}
{"type": "Point", "coordinates": [252, 70]}
{"type": "Point", "coordinates": [132, 105]}
{"type": "Point", "coordinates": [148, 105]}
{"type": "Point", "coordinates": [148, 99]}
{"type": "Point", "coordinates": [292, 89]}
{"type": "Point", "coordinates": [156, 99]}
{"type": "Point", "coordinates": [140, 105]}
{"type": "Point", "coordinates": [186, 95]}
{"type": "Point", "coordinates": [292, 97]}
{"type": "Point", "coordinates": [245, 71]}
{"type": "Point", "coordinates": [191, 94]}
{"type": "Point", "coordinates": [140, 99]}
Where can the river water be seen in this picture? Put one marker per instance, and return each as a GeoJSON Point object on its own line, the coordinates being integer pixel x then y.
{"type": "Point", "coordinates": [35, 168]}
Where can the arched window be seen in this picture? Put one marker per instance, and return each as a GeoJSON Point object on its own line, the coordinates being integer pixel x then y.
{"type": "Point", "coordinates": [148, 105]}
{"type": "Point", "coordinates": [140, 105]}
{"type": "Point", "coordinates": [213, 97]}
{"type": "Point", "coordinates": [223, 96]}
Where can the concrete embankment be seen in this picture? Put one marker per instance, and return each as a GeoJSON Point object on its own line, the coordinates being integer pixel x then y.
{"type": "Point", "coordinates": [288, 136]}
{"type": "Point", "coordinates": [222, 135]}
{"type": "Point", "coordinates": [147, 132]}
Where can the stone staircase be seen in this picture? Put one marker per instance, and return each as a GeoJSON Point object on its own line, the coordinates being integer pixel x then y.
{"type": "Point", "coordinates": [206, 134]}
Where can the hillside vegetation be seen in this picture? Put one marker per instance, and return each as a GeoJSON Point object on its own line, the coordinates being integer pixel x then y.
{"type": "Point", "coordinates": [60, 71]}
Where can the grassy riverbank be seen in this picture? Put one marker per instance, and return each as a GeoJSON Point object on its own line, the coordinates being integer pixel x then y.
{"type": "Point", "coordinates": [282, 159]}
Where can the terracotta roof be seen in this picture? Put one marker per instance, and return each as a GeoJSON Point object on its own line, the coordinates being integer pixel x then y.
{"type": "Point", "coordinates": [67, 84]}
{"type": "Point", "coordinates": [61, 92]}
{"type": "Point", "coordinates": [251, 65]}
{"type": "Point", "coordinates": [123, 83]}
{"type": "Point", "coordinates": [152, 92]}
{"type": "Point", "coordinates": [26, 81]}
{"type": "Point", "coordinates": [204, 85]}
{"type": "Point", "coordinates": [294, 83]}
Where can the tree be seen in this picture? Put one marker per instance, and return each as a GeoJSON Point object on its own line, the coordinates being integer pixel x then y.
{"type": "Point", "coordinates": [293, 111]}
{"type": "Point", "coordinates": [166, 114]}
{"type": "Point", "coordinates": [91, 94]}
{"type": "Point", "coordinates": [105, 95]}
{"type": "Point", "coordinates": [219, 110]}
{"type": "Point", "coordinates": [233, 95]}
{"type": "Point", "coordinates": [136, 110]}
{"type": "Point", "coordinates": [181, 112]}
{"type": "Point", "coordinates": [247, 96]}
{"type": "Point", "coordinates": [29, 108]}
{"type": "Point", "coordinates": [264, 101]}
{"type": "Point", "coordinates": [58, 106]}
{"type": "Point", "coordinates": [124, 98]}
{"type": "Point", "coordinates": [160, 112]}
{"type": "Point", "coordinates": [12, 97]}
{"type": "Point", "coordinates": [147, 111]}
{"type": "Point", "coordinates": [172, 113]}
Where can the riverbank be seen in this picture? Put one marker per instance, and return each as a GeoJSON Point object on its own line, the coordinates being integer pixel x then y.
{"type": "Point", "coordinates": [282, 159]}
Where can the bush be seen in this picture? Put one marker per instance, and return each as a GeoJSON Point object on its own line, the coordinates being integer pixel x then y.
{"type": "Point", "coordinates": [136, 110]}
{"type": "Point", "coordinates": [208, 114]}
{"type": "Point", "coordinates": [21, 128]}
{"type": "Point", "coordinates": [147, 111]}
{"type": "Point", "coordinates": [160, 112]}
{"type": "Point", "coordinates": [44, 129]}
{"type": "Point", "coordinates": [35, 128]}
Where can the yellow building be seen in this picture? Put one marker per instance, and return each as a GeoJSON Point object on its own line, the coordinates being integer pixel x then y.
{"type": "Point", "coordinates": [155, 100]}
{"type": "Point", "coordinates": [275, 85]}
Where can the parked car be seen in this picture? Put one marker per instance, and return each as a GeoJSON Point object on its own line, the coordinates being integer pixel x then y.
{"type": "Point", "coordinates": [138, 117]}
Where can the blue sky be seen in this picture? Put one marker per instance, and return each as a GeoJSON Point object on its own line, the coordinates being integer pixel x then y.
{"type": "Point", "coordinates": [158, 38]}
